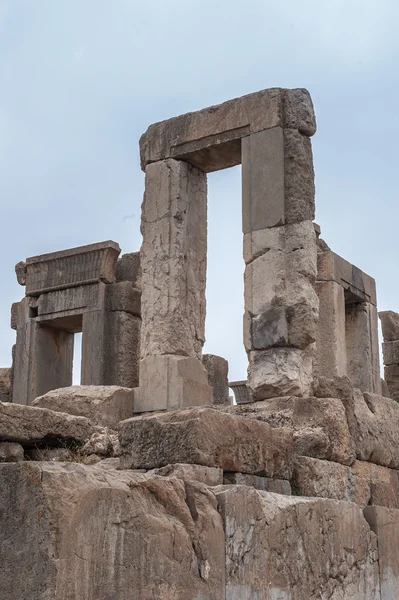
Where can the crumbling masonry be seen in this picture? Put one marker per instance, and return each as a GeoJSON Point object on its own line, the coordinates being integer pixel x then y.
{"type": "Point", "coordinates": [146, 481]}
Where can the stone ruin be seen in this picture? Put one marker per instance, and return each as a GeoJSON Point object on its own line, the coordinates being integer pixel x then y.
{"type": "Point", "coordinates": [147, 481]}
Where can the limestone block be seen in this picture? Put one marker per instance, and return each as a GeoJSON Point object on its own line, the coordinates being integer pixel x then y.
{"type": "Point", "coordinates": [331, 267]}
{"type": "Point", "coordinates": [61, 304]}
{"type": "Point", "coordinates": [210, 138]}
{"type": "Point", "coordinates": [171, 382]}
{"type": "Point", "coordinates": [20, 272]}
{"type": "Point", "coordinates": [298, 177]}
{"type": "Point", "coordinates": [362, 347]}
{"type": "Point", "coordinates": [290, 548]}
{"type": "Point", "coordinates": [123, 296]}
{"type": "Point", "coordinates": [207, 475]}
{"type": "Point", "coordinates": [90, 533]}
{"type": "Point", "coordinates": [280, 372]}
{"type": "Point", "coordinates": [390, 352]}
{"type": "Point", "coordinates": [205, 436]}
{"type": "Point", "coordinates": [103, 442]}
{"type": "Point", "coordinates": [263, 203]}
{"type": "Point", "coordinates": [121, 349]}
{"type": "Point", "coordinates": [281, 306]}
{"type": "Point", "coordinates": [173, 259]}
{"type": "Point", "coordinates": [376, 429]}
{"type": "Point", "coordinates": [277, 486]}
{"type": "Point", "coordinates": [319, 425]}
{"type": "Point", "coordinates": [314, 477]}
{"type": "Point", "coordinates": [30, 425]}
{"type": "Point", "coordinates": [385, 524]}
{"type": "Point", "coordinates": [390, 325]}
{"type": "Point", "coordinates": [218, 371]}
{"type": "Point", "coordinates": [14, 317]}
{"type": "Point", "coordinates": [72, 267]}
{"type": "Point", "coordinates": [11, 452]}
{"type": "Point", "coordinates": [331, 336]}
{"type": "Point", "coordinates": [385, 389]}
{"type": "Point", "coordinates": [103, 405]}
{"type": "Point", "coordinates": [391, 373]}
{"type": "Point", "coordinates": [128, 269]}
{"type": "Point", "coordinates": [374, 485]}
{"type": "Point", "coordinates": [5, 385]}
{"type": "Point", "coordinates": [277, 179]}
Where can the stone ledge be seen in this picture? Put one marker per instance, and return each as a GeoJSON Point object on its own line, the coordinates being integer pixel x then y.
{"type": "Point", "coordinates": [29, 425]}
{"type": "Point", "coordinates": [209, 437]}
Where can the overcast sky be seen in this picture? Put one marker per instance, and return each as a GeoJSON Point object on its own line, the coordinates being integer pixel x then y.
{"type": "Point", "coordinates": [82, 80]}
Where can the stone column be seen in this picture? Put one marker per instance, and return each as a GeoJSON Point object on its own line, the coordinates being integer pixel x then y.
{"type": "Point", "coordinates": [173, 263]}
{"type": "Point", "coordinates": [218, 377]}
{"type": "Point", "coordinates": [111, 338]}
{"type": "Point", "coordinates": [390, 350]}
{"type": "Point", "coordinates": [331, 335]}
{"type": "Point", "coordinates": [280, 253]}
{"type": "Point", "coordinates": [362, 346]}
{"type": "Point", "coordinates": [43, 356]}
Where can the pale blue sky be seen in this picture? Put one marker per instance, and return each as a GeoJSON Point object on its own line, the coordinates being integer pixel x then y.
{"type": "Point", "coordinates": [81, 80]}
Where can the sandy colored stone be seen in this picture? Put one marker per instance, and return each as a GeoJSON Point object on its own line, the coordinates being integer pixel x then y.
{"type": "Point", "coordinates": [88, 533]}
{"type": "Point", "coordinates": [211, 138]}
{"type": "Point", "coordinates": [319, 425]}
{"type": "Point", "coordinates": [103, 405]}
{"type": "Point", "coordinates": [266, 484]}
{"type": "Point", "coordinates": [206, 436]}
{"type": "Point", "coordinates": [376, 485]}
{"type": "Point", "coordinates": [385, 524]}
{"type": "Point", "coordinates": [313, 477]}
{"type": "Point", "coordinates": [218, 377]}
{"type": "Point", "coordinates": [5, 385]}
{"type": "Point", "coordinates": [128, 269]}
{"type": "Point", "coordinates": [123, 296]}
{"type": "Point", "coordinates": [72, 267]}
{"type": "Point", "coordinates": [298, 177]}
{"type": "Point", "coordinates": [207, 475]}
{"type": "Point", "coordinates": [11, 452]}
{"type": "Point", "coordinates": [102, 443]}
{"type": "Point", "coordinates": [332, 267]}
{"type": "Point", "coordinates": [375, 429]}
{"type": "Point", "coordinates": [171, 382]}
{"type": "Point", "coordinates": [291, 548]}
{"type": "Point", "coordinates": [173, 260]}
{"type": "Point", "coordinates": [280, 372]}
{"type": "Point", "coordinates": [390, 325]}
{"type": "Point", "coordinates": [391, 374]}
{"type": "Point", "coordinates": [30, 425]}
{"type": "Point", "coordinates": [331, 335]}
{"type": "Point", "coordinates": [362, 346]}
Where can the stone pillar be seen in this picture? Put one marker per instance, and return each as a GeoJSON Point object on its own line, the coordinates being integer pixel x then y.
{"type": "Point", "coordinates": [218, 377]}
{"type": "Point", "coordinates": [111, 338]}
{"type": "Point", "coordinates": [43, 355]}
{"type": "Point", "coordinates": [362, 346]}
{"type": "Point", "coordinates": [280, 253]}
{"type": "Point", "coordinates": [331, 335]}
{"type": "Point", "coordinates": [390, 350]}
{"type": "Point", "coordinates": [173, 264]}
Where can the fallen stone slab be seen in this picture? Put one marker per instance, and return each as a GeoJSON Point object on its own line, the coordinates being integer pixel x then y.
{"type": "Point", "coordinates": [207, 475]}
{"type": "Point", "coordinates": [319, 425]}
{"type": "Point", "coordinates": [104, 405]}
{"type": "Point", "coordinates": [286, 547]}
{"type": "Point", "coordinates": [87, 533]}
{"type": "Point", "coordinates": [385, 524]}
{"type": "Point", "coordinates": [206, 436]}
{"type": "Point", "coordinates": [30, 425]}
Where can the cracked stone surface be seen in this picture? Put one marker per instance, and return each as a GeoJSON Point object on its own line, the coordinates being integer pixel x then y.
{"type": "Point", "coordinates": [289, 548]}
{"type": "Point", "coordinates": [92, 533]}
